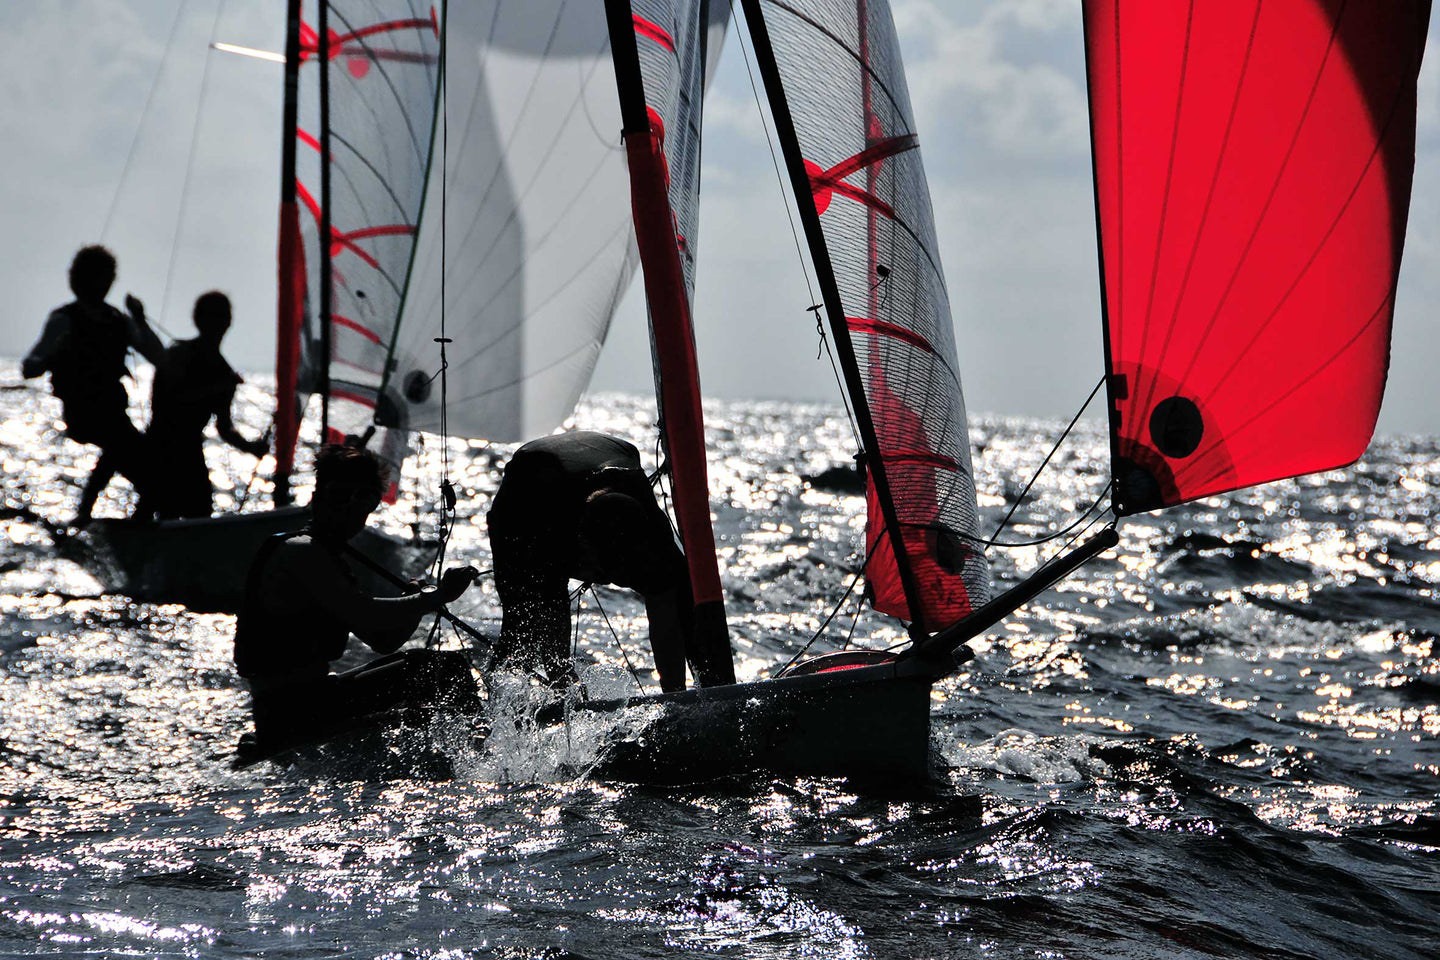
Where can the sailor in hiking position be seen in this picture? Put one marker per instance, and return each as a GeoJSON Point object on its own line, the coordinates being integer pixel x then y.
{"type": "Point", "coordinates": [579, 506]}
{"type": "Point", "coordinates": [193, 383]}
{"type": "Point", "coordinates": [83, 347]}
{"type": "Point", "coordinates": [302, 604]}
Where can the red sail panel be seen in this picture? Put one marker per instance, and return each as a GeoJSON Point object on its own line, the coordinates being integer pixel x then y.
{"type": "Point", "coordinates": [1253, 163]}
{"type": "Point", "coordinates": [840, 67]}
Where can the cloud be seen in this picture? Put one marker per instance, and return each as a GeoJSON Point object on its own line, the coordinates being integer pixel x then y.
{"type": "Point", "coordinates": [984, 78]}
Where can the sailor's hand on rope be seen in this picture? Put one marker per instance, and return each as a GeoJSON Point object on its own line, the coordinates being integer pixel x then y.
{"type": "Point", "coordinates": [454, 582]}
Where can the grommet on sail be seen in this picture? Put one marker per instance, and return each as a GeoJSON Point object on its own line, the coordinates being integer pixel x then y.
{"type": "Point", "coordinates": [1253, 163]}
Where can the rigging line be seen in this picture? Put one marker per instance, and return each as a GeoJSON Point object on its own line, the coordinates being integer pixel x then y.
{"type": "Point", "coordinates": [1044, 463]}
{"type": "Point", "coordinates": [855, 579]}
{"type": "Point", "coordinates": [1053, 536]}
{"type": "Point", "coordinates": [447, 489]}
{"type": "Point", "coordinates": [144, 115]}
{"type": "Point", "coordinates": [770, 143]}
{"type": "Point", "coordinates": [854, 622]}
{"type": "Point", "coordinates": [189, 168]}
{"type": "Point", "coordinates": [634, 674]}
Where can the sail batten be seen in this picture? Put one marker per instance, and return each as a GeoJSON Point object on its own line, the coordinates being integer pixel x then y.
{"type": "Point", "coordinates": [837, 88]}
{"type": "Point", "coordinates": [1252, 173]}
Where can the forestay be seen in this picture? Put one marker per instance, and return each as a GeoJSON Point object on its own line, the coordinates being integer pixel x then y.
{"type": "Point", "coordinates": [1252, 173]}
{"type": "Point", "coordinates": [844, 83]}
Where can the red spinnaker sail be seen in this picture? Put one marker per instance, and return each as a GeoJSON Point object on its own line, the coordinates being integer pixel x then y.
{"type": "Point", "coordinates": [843, 81]}
{"type": "Point", "coordinates": [1253, 163]}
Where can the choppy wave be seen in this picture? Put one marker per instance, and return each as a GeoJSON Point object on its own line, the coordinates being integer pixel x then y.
{"type": "Point", "coordinates": [1220, 739]}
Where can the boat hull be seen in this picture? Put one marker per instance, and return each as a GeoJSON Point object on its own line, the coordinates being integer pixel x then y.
{"type": "Point", "coordinates": [866, 723]}
{"type": "Point", "coordinates": [202, 563]}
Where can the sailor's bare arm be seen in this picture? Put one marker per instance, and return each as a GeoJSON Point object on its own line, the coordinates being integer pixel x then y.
{"type": "Point", "coordinates": [303, 571]}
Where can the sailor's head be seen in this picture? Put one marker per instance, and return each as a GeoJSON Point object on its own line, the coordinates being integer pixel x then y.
{"type": "Point", "coordinates": [348, 486]}
{"type": "Point", "coordinates": [91, 273]}
{"type": "Point", "coordinates": [624, 543]}
{"type": "Point", "coordinates": [212, 314]}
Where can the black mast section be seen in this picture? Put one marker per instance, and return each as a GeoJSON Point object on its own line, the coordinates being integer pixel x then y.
{"type": "Point", "coordinates": [327, 273]}
{"type": "Point", "coordinates": [830, 294]}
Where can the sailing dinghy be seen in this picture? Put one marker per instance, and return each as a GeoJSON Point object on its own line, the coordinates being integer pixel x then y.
{"type": "Point", "coordinates": [1252, 178]}
{"type": "Point", "coordinates": [376, 79]}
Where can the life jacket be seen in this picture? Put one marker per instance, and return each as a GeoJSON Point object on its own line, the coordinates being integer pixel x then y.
{"type": "Point", "coordinates": [192, 384]}
{"type": "Point", "coordinates": [271, 646]}
{"type": "Point", "coordinates": [90, 359]}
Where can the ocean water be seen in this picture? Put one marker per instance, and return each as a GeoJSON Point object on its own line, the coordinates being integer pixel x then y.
{"type": "Point", "coordinates": [1218, 740]}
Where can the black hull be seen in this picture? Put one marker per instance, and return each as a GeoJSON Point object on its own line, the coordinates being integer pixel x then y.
{"type": "Point", "coordinates": [866, 723]}
{"type": "Point", "coordinates": [202, 563]}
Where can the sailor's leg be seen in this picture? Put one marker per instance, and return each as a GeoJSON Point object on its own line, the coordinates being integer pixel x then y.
{"type": "Point", "coordinates": [95, 484]}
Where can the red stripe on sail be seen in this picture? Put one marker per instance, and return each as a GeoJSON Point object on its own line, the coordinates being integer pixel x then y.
{"type": "Point", "coordinates": [645, 28]}
{"type": "Point", "coordinates": [353, 397]}
{"type": "Point", "coordinates": [926, 458]}
{"type": "Point", "coordinates": [359, 328]}
{"type": "Point", "coordinates": [886, 329]}
{"type": "Point", "coordinates": [824, 183]}
{"type": "Point", "coordinates": [358, 55]}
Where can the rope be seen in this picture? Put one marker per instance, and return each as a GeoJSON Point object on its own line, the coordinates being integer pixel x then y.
{"type": "Point", "coordinates": [189, 169]}
{"type": "Point", "coordinates": [144, 116]}
{"type": "Point", "coordinates": [795, 236]}
{"type": "Point", "coordinates": [447, 489]}
{"type": "Point", "coordinates": [993, 541]}
{"type": "Point", "coordinates": [634, 674]}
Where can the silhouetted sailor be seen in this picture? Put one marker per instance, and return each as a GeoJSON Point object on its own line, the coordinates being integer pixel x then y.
{"type": "Point", "coordinates": [302, 604]}
{"type": "Point", "coordinates": [83, 348]}
{"type": "Point", "coordinates": [579, 506]}
{"type": "Point", "coordinates": [193, 383]}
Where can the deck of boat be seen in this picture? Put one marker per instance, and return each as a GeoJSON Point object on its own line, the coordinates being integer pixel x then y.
{"type": "Point", "coordinates": [202, 563]}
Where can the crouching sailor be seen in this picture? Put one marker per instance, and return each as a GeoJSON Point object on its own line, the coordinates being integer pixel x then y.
{"type": "Point", "coordinates": [579, 506]}
{"type": "Point", "coordinates": [302, 603]}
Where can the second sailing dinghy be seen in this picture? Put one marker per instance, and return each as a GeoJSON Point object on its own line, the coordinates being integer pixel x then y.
{"type": "Point", "coordinates": [361, 89]}
{"type": "Point", "coordinates": [837, 91]}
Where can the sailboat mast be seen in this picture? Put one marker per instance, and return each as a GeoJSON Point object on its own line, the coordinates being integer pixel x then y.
{"type": "Point", "coordinates": [830, 294]}
{"type": "Point", "coordinates": [682, 421]}
{"type": "Point", "coordinates": [327, 273]}
{"type": "Point", "coordinates": [291, 274]}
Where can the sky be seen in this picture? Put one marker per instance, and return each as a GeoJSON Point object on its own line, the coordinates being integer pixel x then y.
{"type": "Point", "coordinates": [999, 97]}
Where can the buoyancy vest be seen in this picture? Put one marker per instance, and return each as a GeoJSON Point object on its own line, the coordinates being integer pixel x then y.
{"type": "Point", "coordinates": [272, 646]}
{"type": "Point", "coordinates": [90, 360]}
